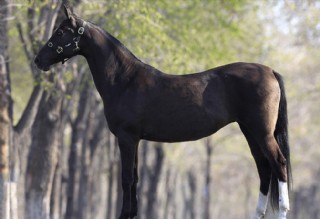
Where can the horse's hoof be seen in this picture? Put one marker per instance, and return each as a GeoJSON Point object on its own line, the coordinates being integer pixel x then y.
{"type": "Point", "coordinates": [282, 214]}
{"type": "Point", "coordinates": [261, 216]}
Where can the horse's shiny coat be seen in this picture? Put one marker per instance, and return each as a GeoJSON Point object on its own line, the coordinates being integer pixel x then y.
{"type": "Point", "coordinates": [142, 102]}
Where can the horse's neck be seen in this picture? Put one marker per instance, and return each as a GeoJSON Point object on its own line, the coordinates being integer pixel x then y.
{"type": "Point", "coordinates": [111, 67]}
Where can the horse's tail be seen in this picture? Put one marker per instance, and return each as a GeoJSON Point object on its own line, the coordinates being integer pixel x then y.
{"type": "Point", "coordinates": [281, 135]}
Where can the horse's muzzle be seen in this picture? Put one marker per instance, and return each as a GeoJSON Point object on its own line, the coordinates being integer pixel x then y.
{"type": "Point", "coordinates": [40, 65]}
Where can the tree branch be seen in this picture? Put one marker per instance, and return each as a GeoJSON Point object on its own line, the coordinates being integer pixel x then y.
{"type": "Point", "coordinates": [30, 111]}
{"type": "Point", "coordinates": [52, 17]}
{"type": "Point", "coordinates": [31, 30]}
{"type": "Point", "coordinates": [24, 42]}
{"type": "Point", "coordinates": [98, 133]}
{"type": "Point", "coordinates": [71, 88]}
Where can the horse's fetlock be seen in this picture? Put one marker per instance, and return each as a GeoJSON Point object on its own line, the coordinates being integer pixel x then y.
{"type": "Point", "coordinates": [258, 215]}
{"type": "Point", "coordinates": [282, 213]}
{"type": "Point", "coordinates": [284, 204]}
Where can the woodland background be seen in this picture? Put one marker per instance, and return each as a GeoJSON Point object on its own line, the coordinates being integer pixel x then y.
{"type": "Point", "coordinates": [57, 157]}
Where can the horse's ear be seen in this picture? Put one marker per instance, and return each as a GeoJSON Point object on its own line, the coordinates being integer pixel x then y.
{"type": "Point", "coordinates": [70, 15]}
{"type": "Point", "coordinates": [67, 11]}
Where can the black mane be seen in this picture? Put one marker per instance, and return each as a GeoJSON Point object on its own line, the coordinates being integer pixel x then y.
{"type": "Point", "coordinates": [118, 46]}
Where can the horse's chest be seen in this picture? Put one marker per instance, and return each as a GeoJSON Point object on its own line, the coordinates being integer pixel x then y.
{"type": "Point", "coordinates": [122, 117]}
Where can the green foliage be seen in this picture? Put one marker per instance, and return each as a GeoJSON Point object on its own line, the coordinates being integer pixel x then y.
{"type": "Point", "coordinates": [22, 82]}
{"type": "Point", "coordinates": [180, 36]}
{"type": "Point", "coordinates": [177, 37]}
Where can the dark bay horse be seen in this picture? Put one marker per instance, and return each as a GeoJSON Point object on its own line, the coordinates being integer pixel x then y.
{"type": "Point", "coordinates": [142, 102]}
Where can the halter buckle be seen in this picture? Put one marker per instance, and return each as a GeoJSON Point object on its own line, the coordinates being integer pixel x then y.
{"type": "Point", "coordinates": [80, 30]}
{"type": "Point", "coordinates": [76, 39]}
{"type": "Point", "coordinates": [77, 46]}
{"type": "Point", "coordinates": [59, 49]}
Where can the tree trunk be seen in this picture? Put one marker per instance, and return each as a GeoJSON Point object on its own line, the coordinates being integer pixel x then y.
{"type": "Point", "coordinates": [5, 127]}
{"type": "Point", "coordinates": [171, 181]}
{"type": "Point", "coordinates": [43, 157]}
{"type": "Point", "coordinates": [5, 117]}
{"type": "Point", "coordinates": [143, 178]}
{"type": "Point", "coordinates": [151, 211]}
{"type": "Point", "coordinates": [207, 193]}
{"type": "Point", "coordinates": [20, 149]}
{"type": "Point", "coordinates": [190, 202]}
{"type": "Point", "coordinates": [56, 193]}
{"type": "Point", "coordinates": [23, 131]}
{"type": "Point", "coordinates": [78, 132]}
{"type": "Point", "coordinates": [86, 163]}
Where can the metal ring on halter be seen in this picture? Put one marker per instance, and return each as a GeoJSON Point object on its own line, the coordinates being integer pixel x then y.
{"type": "Point", "coordinates": [81, 30]}
{"type": "Point", "coordinates": [50, 44]}
{"type": "Point", "coordinates": [59, 49]}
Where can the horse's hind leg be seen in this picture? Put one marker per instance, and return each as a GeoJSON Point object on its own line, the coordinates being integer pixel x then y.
{"type": "Point", "coordinates": [263, 114]}
{"type": "Point", "coordinates": [271, 151]}
{"type": "Point", "coordinates": [264, 171]}
{"type": "Point", "coordinates": [279, 168]}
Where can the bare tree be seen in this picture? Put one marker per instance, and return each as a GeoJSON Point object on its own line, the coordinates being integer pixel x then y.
{"type": "Point", "coordinates": [154, 176]}
{"type": "Point", "coordinates": [207, 193]}
{"type": "Point", "coordinates": [5, 115]}
{"type": "Point", "coordinates": [43, 157]}
{"type": "Point", "coordinates": [43, 153]}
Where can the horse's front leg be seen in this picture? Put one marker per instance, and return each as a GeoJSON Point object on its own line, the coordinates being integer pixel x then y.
{"type": "Point", "coordinates": [127, 145]}
{"type": "Point", "coordinates": [134, 197]}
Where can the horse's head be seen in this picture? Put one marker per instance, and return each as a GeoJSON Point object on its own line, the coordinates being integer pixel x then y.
{"type": "Point", "coordinates": [64, 42]}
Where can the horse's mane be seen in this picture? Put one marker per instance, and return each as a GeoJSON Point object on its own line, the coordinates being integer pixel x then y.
{"type": "Point", "coordinates": [120, 50]}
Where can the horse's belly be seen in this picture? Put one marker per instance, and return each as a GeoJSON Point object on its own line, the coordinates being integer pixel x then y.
{"type": "Point", "coordinates": [180, 128]}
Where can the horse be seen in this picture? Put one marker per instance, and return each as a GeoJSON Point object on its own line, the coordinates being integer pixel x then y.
{"type": "Point", "coordinates": [141, 102]}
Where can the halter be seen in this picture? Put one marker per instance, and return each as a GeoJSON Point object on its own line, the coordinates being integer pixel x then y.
{"type": "Point", "coordinates": [76, 40]}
